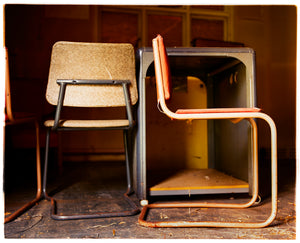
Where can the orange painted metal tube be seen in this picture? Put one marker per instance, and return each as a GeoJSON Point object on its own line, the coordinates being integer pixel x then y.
{"type": "Point", "coordinates": [38, 196]}
{"type": "Point", "coordinates": [268, 221]}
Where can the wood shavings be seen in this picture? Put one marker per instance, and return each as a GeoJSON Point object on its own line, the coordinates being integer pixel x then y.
{"type": "Point", "coordinates": [163, 216]}
{"type": "Point", "coordinates": [101, 226]}
{"type": "Point", "coordinates": [107, 225]}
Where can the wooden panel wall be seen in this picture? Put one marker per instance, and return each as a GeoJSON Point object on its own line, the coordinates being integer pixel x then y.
{"type": "Point", "coordinates": [31, 30]}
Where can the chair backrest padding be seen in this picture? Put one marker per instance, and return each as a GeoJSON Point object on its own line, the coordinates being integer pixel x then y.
{"type": "Point", "coordinates": [92, 61]}
{"type": "Point", "coordinates": [164, 61]}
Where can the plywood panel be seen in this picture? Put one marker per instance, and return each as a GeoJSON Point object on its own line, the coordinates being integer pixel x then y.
{"type": "Point", "coordinates": [199, 181]}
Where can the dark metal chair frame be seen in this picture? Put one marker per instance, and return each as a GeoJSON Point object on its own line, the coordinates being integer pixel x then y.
{"type": "Point", "coordinates": [126, 132]}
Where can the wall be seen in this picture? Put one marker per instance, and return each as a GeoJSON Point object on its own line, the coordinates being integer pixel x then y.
{"type": "Point", "coordinates": [270, 30]}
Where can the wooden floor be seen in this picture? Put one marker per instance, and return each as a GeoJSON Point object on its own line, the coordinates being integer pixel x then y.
{"type": "Point", "coordinates": [88, 187]}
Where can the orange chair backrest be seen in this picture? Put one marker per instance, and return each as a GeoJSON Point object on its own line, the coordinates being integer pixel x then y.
{"type": "Point", "coordinates": [165, 68]}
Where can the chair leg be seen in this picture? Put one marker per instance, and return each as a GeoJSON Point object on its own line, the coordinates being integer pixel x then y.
{"type": "Point", "coordinates": [265, 223]}
{"type": "Point", "coordinates": [38, 196]}
{"type": "Point", "coordinates": [46, 164]}
{"type": "Point", "coordinates": [54, 214]}
{"type": "Point", "coordinates": [127, 158]}
{"type": "Point", "coordinates": [128, 152]}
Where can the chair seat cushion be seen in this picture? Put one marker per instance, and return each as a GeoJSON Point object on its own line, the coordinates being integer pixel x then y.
{"type": "Point", "coordinates": [89, 123]}
{"type": "Point", "coordinates": [217, 110]}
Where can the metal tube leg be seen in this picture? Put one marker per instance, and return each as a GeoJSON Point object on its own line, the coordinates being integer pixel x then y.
{"type": "Point", "coordinates": [134, 209]}
{"type": "Point", "coordinates": [46, 164]}
{"type": "Point", "coordinates": [39, 179]}
{"type": "Point", "coordinates": [127, 159]}
{"type": "Point", "coordinates": [274, 193]}
{"type": "Point", "coordinates": [38, 161]}
{"type": "Point", "coordinates": [265, 223]}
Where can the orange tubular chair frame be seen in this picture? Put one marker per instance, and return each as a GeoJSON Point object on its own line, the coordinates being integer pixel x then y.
{"type": "Point", "coordinates": [23, 118]}
{"type": "Point", "coordinates": [235, 115]}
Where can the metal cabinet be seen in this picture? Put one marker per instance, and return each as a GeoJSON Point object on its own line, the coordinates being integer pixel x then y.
{"type": "Point", "coordinates": [228, 76]}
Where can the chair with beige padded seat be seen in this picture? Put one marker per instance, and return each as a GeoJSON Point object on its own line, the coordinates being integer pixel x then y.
{"type": "Point", "coordinates": [92, 75]}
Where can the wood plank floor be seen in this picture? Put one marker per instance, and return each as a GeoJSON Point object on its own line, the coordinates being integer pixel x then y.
{"type": "Point", "coordinates": [88, 187]}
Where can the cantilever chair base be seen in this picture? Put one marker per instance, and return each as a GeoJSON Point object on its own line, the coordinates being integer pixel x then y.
{"type": "Point", "coordinates": [17, 118]}
{"type": "Point", "coordinates": [172, 224]}
{"type": "Point", "coordinates": [133, 208]}
{"type": "Point", "coordinates": [268, 221]}
{"type": "Point", "coordinates": [23, 209]}
{"type": "Point", "coordinates": [39, 195]}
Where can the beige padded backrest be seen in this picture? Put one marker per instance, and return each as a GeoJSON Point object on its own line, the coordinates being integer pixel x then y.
{"type": "Point", "coordinates": [75, 60]}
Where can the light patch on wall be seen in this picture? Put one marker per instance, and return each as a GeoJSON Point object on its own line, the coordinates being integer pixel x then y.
{"type": "Point", "coordinates": [67, 12]}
